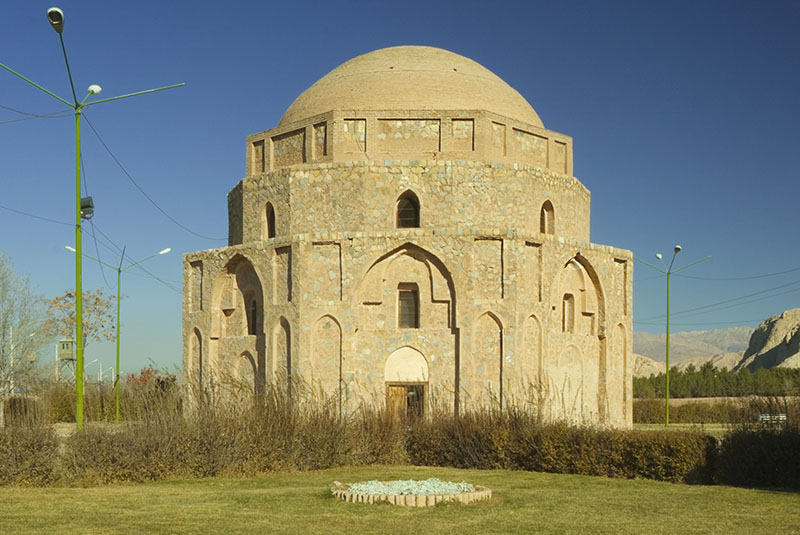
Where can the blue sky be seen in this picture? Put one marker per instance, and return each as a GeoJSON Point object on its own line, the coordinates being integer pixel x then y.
{"type": "Point", "coordinates": [683, 116]}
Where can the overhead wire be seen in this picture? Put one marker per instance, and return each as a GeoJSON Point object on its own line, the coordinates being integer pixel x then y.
{"type": "Point", "coordinates": [29, 116]}
{"type": "Point", "coordinates": [95, 228]}
{"type": "Point", "coordinates": [138, 266]}
{"type": "Point", "coordinates": [34, 216]}
{"type": "Point", "coordinates": [94, 237]}
{"type": "Point", "coordinates": [751, 277]}
{"type": "Point", "coordinates": [141, 190]}
{"type": "Point", "coordinates": [717, 306]}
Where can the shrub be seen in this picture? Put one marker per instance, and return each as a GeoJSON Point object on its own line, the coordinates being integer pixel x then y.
{"type": "Point", "coordinates": [562, 448]}
{"type": "Point", "coordinates": [651, 411]}
{"type": "Point", "coordinates": [28, 456]}
{"type": "Point", "coordinates": [756, 455]}
{"type": "Point", "coordinates": [474, 440]}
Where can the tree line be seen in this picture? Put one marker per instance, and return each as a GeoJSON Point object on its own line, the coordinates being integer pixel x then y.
{"type": "Point", "coordinates": [708, 381]}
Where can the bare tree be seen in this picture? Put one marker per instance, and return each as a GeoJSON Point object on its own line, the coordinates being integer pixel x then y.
{"type": "Point", "coordinates": [24, 326]}
{"type": "Point", "coordinates": [98, 315]}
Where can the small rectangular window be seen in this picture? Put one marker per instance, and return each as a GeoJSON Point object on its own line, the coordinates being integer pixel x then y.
{"type": "Point", "coordinates": [408, 306]}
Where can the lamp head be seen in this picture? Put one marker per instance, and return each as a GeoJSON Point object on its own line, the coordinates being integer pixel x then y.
{"type": "Point", "coordinates": [56, 19]}
{"type": "Point", "coordinates": [658, 256]}
{"type": "Point", "coordinates": [70, 249]}
{"type": "Point", "coordinates": [95, 89]}
{"type": "Point", "coordinates": [677, 249]}
{"type": "Point", "coordinates": [165, 251]}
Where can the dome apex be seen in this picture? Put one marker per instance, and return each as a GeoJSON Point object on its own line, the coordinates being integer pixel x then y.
{"type": "Point", "coordinates": [411, 78]}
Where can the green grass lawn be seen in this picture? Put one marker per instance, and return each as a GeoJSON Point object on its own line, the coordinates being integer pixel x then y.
{"type": "Point", "coordinates": [716, 430]}
{"type": "Point", "coordinates": [524, 502]}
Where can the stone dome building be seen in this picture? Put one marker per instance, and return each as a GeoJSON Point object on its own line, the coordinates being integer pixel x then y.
{"type": "Point", "coordinates": [411, 234]}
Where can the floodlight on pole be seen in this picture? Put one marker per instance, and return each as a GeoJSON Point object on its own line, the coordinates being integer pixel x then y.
{"type": "Point", "coordinates": [55, 17]}
{"type": "Point", "coordinates": [668, 271]}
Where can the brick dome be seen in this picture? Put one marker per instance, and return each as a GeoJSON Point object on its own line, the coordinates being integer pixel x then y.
{"type": "Point", "coordinates": [411, 78]}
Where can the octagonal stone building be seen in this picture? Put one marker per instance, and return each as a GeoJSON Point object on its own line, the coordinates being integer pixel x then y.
{"type": "Point", "coordinates": [411, 234]}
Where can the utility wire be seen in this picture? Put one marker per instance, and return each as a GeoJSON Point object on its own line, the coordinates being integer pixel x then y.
{"type": "Point", "coordinates": [141, 190]}
{"type": "Point", "coordinates": [37, 115]}
{"type": "Point", "coordinates": [727, 301]}
{"type": "Point", "coordinates": [94, 237]}
{"type": "Point", "coordinates": [138, 266]}
{"type": "Point", "coordinates": [759, 320]}
{"type": "Point", "coordinates": [20, 212]}
{"type": "Point", "coordinates": [169, 285]}
{"type": "Point", "coordinates": [765, 275]}
{"type": "Point", "coordinates": [29, 116]}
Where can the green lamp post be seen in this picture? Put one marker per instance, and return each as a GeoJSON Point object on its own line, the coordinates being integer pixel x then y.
{"type": "Point", "coordinates": [119, 269]}
{"type": "Point", "coordinates": [55, 17]}
{"type": "Point", "coordinates": [668, 271]}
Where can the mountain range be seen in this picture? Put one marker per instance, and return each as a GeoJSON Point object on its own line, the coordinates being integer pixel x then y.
{"type": "Point", "coordinates": [775, 342]}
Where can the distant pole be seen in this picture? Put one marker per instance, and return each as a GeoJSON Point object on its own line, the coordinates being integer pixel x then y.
{"type": "Point", "coordinates": [119, 269]}
{"type": "Point", "coordinates": [666, 403]}
{"type": "Point", "coordinates": [116, 378]}
{"type": "Point", "coordinates": [668, 271]}
{"type": "Point", "coordinates": [55, 17]}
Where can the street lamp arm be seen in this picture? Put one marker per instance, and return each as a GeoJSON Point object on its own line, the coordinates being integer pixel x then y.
{"type": "Point", "coordinates": [71, 250]}
{"type": "Point", "coordinates": [134, 94]}
{"type": "Point", "coordinates": [692, 264]}
{"type": "Point", "coordinates": [34, 84]}
{"type": "Point", "coordinates": [648, 264]}
{"type": "Point", "coordinates": [165, 251]}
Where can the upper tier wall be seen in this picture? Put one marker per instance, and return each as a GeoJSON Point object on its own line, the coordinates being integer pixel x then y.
{"type": "Point", "coordinates": [361, 197]}
{"type": "Point", "coordinates": [475, 135]}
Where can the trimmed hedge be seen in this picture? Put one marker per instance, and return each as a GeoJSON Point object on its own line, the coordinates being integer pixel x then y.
{"type": "Point", "coordinates": [520, 443]}
{"type": "Point", "coordinates": [759, 457]}
{"type": "Point", "coordinates": [651, 411]}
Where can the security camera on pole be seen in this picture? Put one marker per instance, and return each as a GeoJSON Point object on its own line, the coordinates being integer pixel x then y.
{"type": "Point", "coordinates": [84, 207]}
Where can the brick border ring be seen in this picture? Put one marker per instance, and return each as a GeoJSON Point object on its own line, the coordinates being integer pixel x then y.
{"type": "Point", "coordinates": [342, 491]}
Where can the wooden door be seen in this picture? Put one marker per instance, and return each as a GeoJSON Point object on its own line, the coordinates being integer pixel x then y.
{"type": "Point", "coordinates": [396, 401]}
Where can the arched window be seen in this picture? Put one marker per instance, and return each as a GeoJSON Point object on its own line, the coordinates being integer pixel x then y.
{"type": "Point", "coordinates": [568, 314]}
{"type": "Point", "coordinates": [269, 221]}
{"type": "Point", "coordinates": [408, 305]}
{"type": "Point", "coordinates": [547, 219]}
{"type": "Point", "coordinates": [251, 307]}
{"type": "Point", "coordinates": [408, 211]}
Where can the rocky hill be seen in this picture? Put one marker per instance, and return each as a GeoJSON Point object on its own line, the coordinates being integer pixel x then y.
{"type": "Point", "coordinates": [776, 342]}
{"type": "Point", "coordinates": [645, 366]}
{"type": "Point", "coordinates": [692, 345]}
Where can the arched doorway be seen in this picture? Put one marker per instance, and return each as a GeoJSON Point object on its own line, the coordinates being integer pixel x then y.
{"type": "Point", "coordinates": [406, 378]}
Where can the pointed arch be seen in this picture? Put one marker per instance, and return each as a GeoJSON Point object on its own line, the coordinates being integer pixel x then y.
{"type": "Point", "coordinates": [547, 218]}
{"type": "Point", "coordinates": [375, 300]}
{"type": "Point", "coordinates": [567, 385]}
{"type": "Point", "coordinates": [407, 210]}
{"type": "Point", "coordinates": [247, 370]}
{"type": "Point", "coordinates": [268, 222]}
{"type": "Point", "coordinates": [618, 395]}
{"type": "Point", "coordinates": [579, 282]}
{"type": "Point", "coordinates": [406, 365]}
{"type": "Point", "coordinates": [197, 363]}
{"type": "Point", "coordinates": [325, 366]}
{"type": "Point", "coordinates": [531, 360]}
{"type": "Point", "coordinates": [374, 288]}
{"type": "Point", "coordinates": [237, 300]}
{"type": "Point", "coordinates": [483, 369]}
{"type": "Point", "coordinates": [282, 349]}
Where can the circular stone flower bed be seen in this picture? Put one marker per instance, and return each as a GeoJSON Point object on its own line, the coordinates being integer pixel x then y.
{"type": "Point", "coordinates": [410, 492]}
